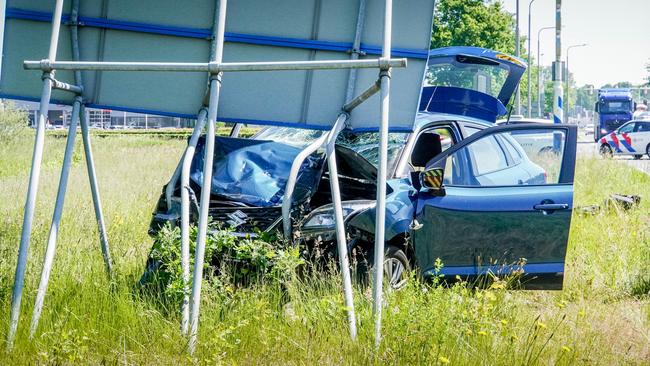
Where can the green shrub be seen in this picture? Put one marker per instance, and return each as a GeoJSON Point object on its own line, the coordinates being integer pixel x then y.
{"type": "Point", "coordinates": [228, 260]}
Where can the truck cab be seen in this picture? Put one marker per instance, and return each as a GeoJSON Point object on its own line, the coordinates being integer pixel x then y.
{"type": "Point", "coordinates": [613, 108]}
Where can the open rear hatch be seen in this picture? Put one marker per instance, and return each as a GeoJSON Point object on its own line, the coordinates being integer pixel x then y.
{"type": "Point", "coordinates": [470, 81]}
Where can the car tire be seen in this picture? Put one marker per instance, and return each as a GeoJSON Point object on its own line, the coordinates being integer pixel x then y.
{"type": "Point", "coordinates": [637, 157]}
{"type": "Point", "coordinates": [397, 267]}
{"type": "Point", "coordinates": [647, 150]}
{"type": "Point", "coordinates": [606, 151]}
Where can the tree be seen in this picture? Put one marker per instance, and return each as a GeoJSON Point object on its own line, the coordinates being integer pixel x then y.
{"type": "Point", "coordinates": [647, 69]}
{"type": "Point", "coordinates": [479, 23]}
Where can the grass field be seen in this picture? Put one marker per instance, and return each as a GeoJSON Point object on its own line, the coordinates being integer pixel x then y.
{"type": "Point", "coordinates": [602, 317]}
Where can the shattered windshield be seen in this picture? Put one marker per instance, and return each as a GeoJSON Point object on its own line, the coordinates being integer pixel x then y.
{"type": "Point", "coordinates": [366, 143]}
{"type": "Point", "coordinates": [292, 136]}
{"type": "Point", "coordinates": [363, 143]}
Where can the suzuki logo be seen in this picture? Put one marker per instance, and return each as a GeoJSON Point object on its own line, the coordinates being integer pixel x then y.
{"type": "Point", "coordinates": [237, 218]}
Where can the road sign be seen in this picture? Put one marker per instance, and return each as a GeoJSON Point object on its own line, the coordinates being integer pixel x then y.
{"type": "Point", "coordinates": [166, 31]}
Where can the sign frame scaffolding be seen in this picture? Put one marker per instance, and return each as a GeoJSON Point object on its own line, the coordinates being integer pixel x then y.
{"type": "Point", "coordinates": [215, 67]}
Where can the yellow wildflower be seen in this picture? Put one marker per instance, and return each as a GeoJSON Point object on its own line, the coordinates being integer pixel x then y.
{"type": "Point", "coordinates": [566, 349]}
{"type": "Point", "coordinates": [482, 333]}
{"type": "Point", "coordinates": [541, 325]}
{"type": "Point", "coordinates": [498, 285]}
{"type": "Point", "coordinates": [504, 322]}
{"type": "Point", "coordinates": [443, 360]}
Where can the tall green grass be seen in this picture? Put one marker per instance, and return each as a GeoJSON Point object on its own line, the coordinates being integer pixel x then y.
{"type": "Point", "coordinates": [602, 316]}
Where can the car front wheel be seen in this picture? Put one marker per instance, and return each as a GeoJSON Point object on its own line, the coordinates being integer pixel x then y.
{"type": "Point", "coordinates": [606, 151]}
{"type": "Point", "coordinates": [396, 268]}
{"type": "Point", "coordinates": [647, 150]}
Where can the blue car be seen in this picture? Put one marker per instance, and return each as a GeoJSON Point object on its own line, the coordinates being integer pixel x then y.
{"type": "Point", "coordinates": [464, 197]}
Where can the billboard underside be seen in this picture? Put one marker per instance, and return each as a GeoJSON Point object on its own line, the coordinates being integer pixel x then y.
{"type": "Point", "coordinates": [169, 31]}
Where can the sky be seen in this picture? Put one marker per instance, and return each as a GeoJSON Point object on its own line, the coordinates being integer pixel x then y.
{"type": "Point", "coordinates": [617, 33]}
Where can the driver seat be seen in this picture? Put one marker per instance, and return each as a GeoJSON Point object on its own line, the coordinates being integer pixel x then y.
{"type": "Point", "coordinates": [427, 147]}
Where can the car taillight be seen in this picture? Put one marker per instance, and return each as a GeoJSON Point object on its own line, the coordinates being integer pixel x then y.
{"type": "Point", "coordinates": [545, 177]}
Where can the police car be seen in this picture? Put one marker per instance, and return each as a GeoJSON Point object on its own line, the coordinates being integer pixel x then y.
{"type": "Point", "coordinates": [633, 138]}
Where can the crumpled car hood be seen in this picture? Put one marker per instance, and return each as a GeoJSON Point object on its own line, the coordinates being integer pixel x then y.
{"type": "Point", "coordinates": [255, 172]}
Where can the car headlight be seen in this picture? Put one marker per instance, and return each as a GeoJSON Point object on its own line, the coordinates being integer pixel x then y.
{"type": "Point", "coordinates": [323, 217]}
{"type": "Point", "coordinates": [602, 130]}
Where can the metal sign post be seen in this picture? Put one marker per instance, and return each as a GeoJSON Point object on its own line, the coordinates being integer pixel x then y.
{"type": "Point", "coordinates": [185, 217]}
{"type": "Point", "coordinates": [206, 187]}
{"type": "Point", "coordinates": [35, 172]}
{"type": "Point", "coordinates": [318, 97]}
{"type": "Point", "coordinates": [558, 70]}
{"type": "Point", "coordinates": [380, 217]}
{"type": "Point", "coordinates": [56, 219]}
{"type": "Point", "coordinates": [77, 111]}
{"type": "Point", "coordinates": [342, 247]}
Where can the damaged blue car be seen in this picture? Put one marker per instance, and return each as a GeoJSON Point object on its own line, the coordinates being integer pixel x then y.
{"type": "Point", "coordinates": [461, 191]}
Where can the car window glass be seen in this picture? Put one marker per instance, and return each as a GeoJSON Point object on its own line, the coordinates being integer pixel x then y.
{"type": "Point", "coordinates": [642, 127]}
{"type": "Point", "coordinates": [513, 152]}
{"type": "Point", "coordinates": [627, 128]}
{"type": "Point", "coordinates": [483, 163]}
{"type": "Point", "coordinates": [487, 156]}
{"type": "Point", "coordinates": [469, 131]}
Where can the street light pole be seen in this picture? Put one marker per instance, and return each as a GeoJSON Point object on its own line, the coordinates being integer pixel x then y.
{"type": "Point", "coordinates": [567, 84]}
{"type": "Point", "coordinates": [530, 101]}
{"type": "Point", "coordinates": [518, 97]}
{"type": "Point", "coordinates": [539, 73]}
{"type": "Point", "coordinates": [558, 93]}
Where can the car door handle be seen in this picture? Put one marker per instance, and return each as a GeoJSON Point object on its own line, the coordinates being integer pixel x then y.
{"type": "Point", "coordinates": [551, 206]}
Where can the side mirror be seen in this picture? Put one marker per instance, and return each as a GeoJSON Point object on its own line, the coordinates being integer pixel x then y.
{"type": "Point", "coordinates": [432, 178]}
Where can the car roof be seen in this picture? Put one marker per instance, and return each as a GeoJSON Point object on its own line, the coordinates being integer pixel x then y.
{"type": "Point", "coordinates": [424, 118]}
{"type": "Point", "coordinates": [523, 120]}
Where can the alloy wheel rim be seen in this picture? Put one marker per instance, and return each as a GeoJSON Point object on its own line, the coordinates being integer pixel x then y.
{"type": "Point", "coordinates": [395, 270]}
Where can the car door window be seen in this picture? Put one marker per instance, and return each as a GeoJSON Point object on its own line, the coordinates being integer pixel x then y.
{"type": "Point", "coordinates": [425, 148]}
{"type": "Point", "coordinates": [469, 131]}
{"type": "Point", "coordinates": [520, 157]}
{"type": "Point", "coordinates": [515, 156]}
{"type": "Point", "coordinates": [487, 156]}
{"type": "Point", "coordinates": [642, 127]}
{"type": "Point", "coordinates": [627, 128]}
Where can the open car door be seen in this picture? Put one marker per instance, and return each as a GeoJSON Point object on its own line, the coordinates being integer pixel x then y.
{"type": "Point", "coordinates": [488, 205]}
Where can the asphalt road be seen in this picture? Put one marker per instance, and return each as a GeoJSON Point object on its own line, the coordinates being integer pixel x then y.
{"type": "Point", "coordinates": [586, 147]}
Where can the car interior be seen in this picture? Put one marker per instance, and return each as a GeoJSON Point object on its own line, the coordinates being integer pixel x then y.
{"type": "Point", "coordinates": [426, 147]}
